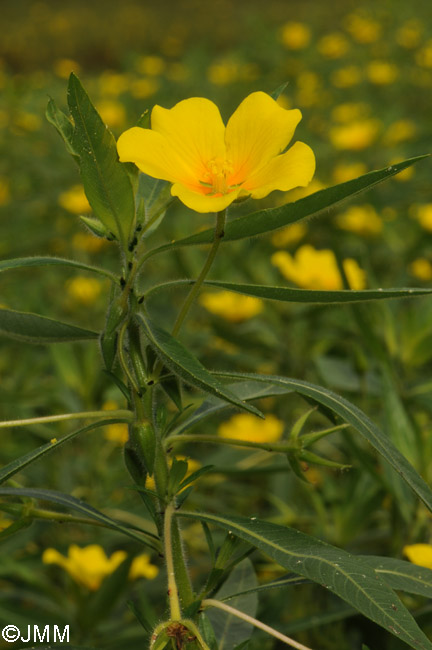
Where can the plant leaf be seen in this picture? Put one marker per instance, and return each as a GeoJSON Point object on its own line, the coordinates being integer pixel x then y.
{"type": "Point", "coordinates": [18, 464]}
{"type": "Point", "coordinates": [258, 223]}
{"type": "Point", "coordinates": [347, 576]}
{"type": "Point", "coordinates": [106, 181]}
{"type": "Point", "coordinates": [230, 630]}
{"type": "Point", "coordinates": [187, 366]}
{"type": "Point", "coordinates": [359, 420]}
{"type": "Point", "coordinates": [245, 390]}
{"type": "Point", "coordinates": [83, 508]}
{"type": "Point", "coordinates": [63, 125]}
{"type": "Point", "coordinates": [402, 575]}
{"type": "Point", "coordinates": [22, 262]}
{"type": "Point", "coordinates": [288, 294]}
{"type": "Point", "coordinates": [32, 328]}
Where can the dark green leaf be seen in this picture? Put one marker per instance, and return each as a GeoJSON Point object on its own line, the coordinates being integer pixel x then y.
{"type": "Point", "coordinates": [187, 366]}
{"type": "Point", "coordinates": [17, 465]}
{"type": "Point", "coordinates": [106, 182]}
{"type": "Point", "coordinates": [18, 525]}
{"type": "Point", "coordinates": [279, 90]}
{"type": "Point", "coordinates": [288, 294]}
{"type": "Point", "coordinates": [32, 328]}
{"type": "Point", "coordinates": [347, 576]}
{"type": "Point", "coordinates": [258, 223]}
{"type": "Point", "coordinates": [245, 390]}
{"type": "Point", "coordinates": [402, 575]}
{"type": "Point", "coordinates": [83, 508]}
{"type": "Point", "coordinates": [230, 630]}
{"type": "Point", "coordinates": [63, 125]}
{"type": "Point", "coordinates": [23, 262]}
{"type": "Point", "coordinates": [359, 420]}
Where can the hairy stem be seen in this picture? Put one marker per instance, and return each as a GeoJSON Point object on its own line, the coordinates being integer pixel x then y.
{"type": "Point", "coordinates": [172, 584]}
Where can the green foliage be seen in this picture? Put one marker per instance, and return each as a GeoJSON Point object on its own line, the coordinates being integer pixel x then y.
{"type": "Point", "coordinates": [32, 328]}
{"type": "Point", "coordinates": [106, 182]}
{"type": "Point", "coordinates": [346, 575]}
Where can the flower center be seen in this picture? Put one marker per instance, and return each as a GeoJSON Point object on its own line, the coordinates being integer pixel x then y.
{"type": "Point", "coordinates": [218, 170]}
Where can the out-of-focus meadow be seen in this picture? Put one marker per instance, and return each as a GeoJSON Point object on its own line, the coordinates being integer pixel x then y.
{"type": "Point", "coordinates": [361, 73]}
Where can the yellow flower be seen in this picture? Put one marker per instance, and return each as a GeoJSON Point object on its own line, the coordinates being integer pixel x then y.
{"type": "Point", "coordinates": [382, 73]}
{"type": "Point", "coordinates": [231, 306]}
{"type": "Point", "coordinates": [245, 426]}
{"type": "Point", "coordinates": [112, 83]}
{"type": "Point", "coordinates": [424, 56]}
{"type": "Point", "coordinates": [420, 554]}
{"type": "Point", "coordinates": [151, 65]}
{"type": "Point", "coordinates": [408, 36]}
{"type": "Point", "coordinates": [111, 112]}
{"type": "Point", "coordinates": [333, 45]}
{"type": "Point", "coordinates": [317, 269]}
{"type": "Point", "coordinates": [84, 290]}
{"type": "Point", "coordinates": [88, 566]}
{"type": "Point", "coordinates": [74, 200]}
{"type": "Point", "coordinates": [295, 36]}
{"type": "Point", "coordinates": [63, 67]}
{"type": "Point", "coordinates": [344, 172]}
{"type": "Point", "coordinates": [4, 191]}
{"type": "Point", "coordinates": [142, 88]}
{"type": "Point", "coordinates": [211, 166]}
{"type": "Point", "coordinates": [346, 77]}
{"type": "Point", "coordinates": [356, 135]}
{"type": "Point", "coordinates": [421, 268]}
{"type": "Point", "coordinates": [350, 111]}
{"type": "Point", "coordinates": [424, 215]}
{"type": "Point", "coordinates": [363, 29]}
{"type": "Point", "coordinates": [193, 466]}
{"type": "Point", "coordinates": [141, 567]}
{"type": "Point", "coordinates": [361, 219]}
{"type": "Point", "coordinates": [115, 432]}
{"type": "Point", "coordinates": [84, 241]}
{"type": "Point", "coordinates": [223, 73]}
{"type": "Point", "coordinates": [399, 131]}
{"type": "Point", "coordinates": [289, 235]}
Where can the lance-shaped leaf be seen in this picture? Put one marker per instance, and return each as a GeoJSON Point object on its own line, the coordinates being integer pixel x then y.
{"type": "Point", "coordinates": [18, 464]}
{"type": "Point", "coordinates": [244, 390]}
{"type": "Point", "coordinates": [25, 262]}
{"type": "Point", "coordinates": [270, 219]}
{"type": "Point", "coordinates": [63, 125]}
{"type": "Point", "coordinates": [347, 576]}
{"type": "Point", "coordinates": [32, 328]}
{"type": "Point", "coordinates": [288, 294]}
{"type": "Point", "coordinates": [106, 182]}
{"type": "Point", "coordinates": [402, 575]}
{"type": "Point", "coordinates": [83, 508]}
{"type": "Point", "coordinates": [359, 420]}
{"type": "Point", "coordinates": [184, 364]}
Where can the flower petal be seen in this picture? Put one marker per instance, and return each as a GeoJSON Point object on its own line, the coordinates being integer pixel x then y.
{"type": "Point", "coordinates": [152, 154]}
{"type": "Point", "coordinates": [204, 202]}
{"type": "Point", "coordinates": [291, 169]}
{"type": "Point", "coordinates": [195, 131]}
{"type": "Point", "coordinates": [256, 132]}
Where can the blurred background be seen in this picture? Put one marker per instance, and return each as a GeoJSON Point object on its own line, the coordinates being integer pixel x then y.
{"type": "Point", "coordinates": [361, 73]}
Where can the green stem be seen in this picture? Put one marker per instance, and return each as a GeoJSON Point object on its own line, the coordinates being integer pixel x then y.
{"type": "Point", "coordinates": [210, 602]}
{"type": "Point", "coordinates": [281, 447]}
{"type": "Point", "coordinates": [173, 595]}
{"type": "Point", "coordinates": [121, 413]}
{"type": "Point", "coordinates": [218, 235]}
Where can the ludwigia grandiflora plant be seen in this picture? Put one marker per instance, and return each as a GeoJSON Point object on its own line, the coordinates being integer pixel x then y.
{"type": "Point", "coordinates": [188, 153]}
